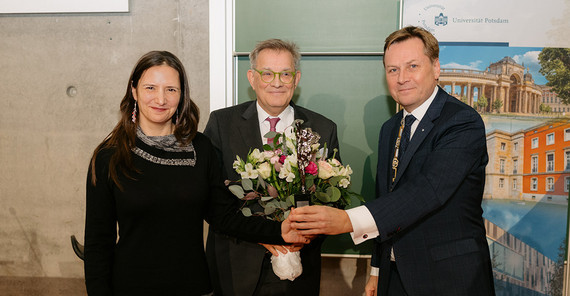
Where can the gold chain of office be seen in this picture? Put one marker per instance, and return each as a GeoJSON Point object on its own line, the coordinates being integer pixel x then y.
{"type": "Point", "coordinates": [395, 161]}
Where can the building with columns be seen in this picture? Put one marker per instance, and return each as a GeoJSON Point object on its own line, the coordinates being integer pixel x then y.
{"type": "Point", "coordinates": [504, 80]}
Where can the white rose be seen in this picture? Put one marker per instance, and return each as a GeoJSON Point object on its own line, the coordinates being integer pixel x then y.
{"type": "Point", "coordinates": [264, 170]}
{"type": "Point", "coordinates": [325, 169]}
{"type": "Point", "coordinates": [336, 171]}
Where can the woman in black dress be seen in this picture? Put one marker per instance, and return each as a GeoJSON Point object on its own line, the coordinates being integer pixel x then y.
{"type": "Point", "coordinates": [151, 184]}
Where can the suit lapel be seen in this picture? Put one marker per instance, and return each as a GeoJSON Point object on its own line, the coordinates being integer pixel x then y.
{"type": "Point", "coordinates": [423, 129]}
{"type": "Point", "coordinates": [299, 114]}
{"type": "Point", "coordinates": [248, 128]}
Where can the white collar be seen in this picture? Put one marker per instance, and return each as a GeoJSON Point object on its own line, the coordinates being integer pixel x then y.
{"type": "Point", "coordinates": [262, 115]}
{"type": "Point", "coordinates": [421, 110]}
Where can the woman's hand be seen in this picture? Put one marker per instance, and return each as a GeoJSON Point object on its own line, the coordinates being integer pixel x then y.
{"type": "Point", "coordinates": [274, 248]}
{"type": "Point", "coordinates": [371, 288]}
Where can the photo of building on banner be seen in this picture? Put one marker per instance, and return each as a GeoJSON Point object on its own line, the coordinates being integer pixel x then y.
{"type": "Point", "coordinates": [511, 62]}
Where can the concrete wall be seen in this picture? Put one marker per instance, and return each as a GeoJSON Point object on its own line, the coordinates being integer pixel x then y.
{"type": "Point", "coordinates": [47, 136]}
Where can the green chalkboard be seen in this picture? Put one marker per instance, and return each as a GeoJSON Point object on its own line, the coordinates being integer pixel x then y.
{"type": "Point", "coordinates": [317, 25]}
{"type": "Point", "coordinates": [347, 88]}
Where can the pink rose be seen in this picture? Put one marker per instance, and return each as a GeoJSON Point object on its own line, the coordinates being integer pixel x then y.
{"type": "Point", "coordinates": [274, 159]}
{"type": "Point", "coordinates": [312, 168]}
{"type": "Point", "coordinates": [278, 166]}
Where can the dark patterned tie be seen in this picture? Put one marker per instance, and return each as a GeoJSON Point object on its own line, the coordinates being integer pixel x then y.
{"type": "Point", "coordinates": [409, 120]}
{"type": "Point", "coordinates": [272, 124]}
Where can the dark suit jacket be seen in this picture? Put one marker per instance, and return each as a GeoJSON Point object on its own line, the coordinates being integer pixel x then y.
{"type": "Point", "coordinates": [432, 214]}
{"type": "Point", "coordinates": [236, 265]}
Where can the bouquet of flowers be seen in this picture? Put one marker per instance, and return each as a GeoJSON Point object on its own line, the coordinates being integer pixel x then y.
{"type": "Point", "coordinates": [291, 170]}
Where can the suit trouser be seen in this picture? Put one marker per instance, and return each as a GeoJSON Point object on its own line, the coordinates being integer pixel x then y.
{"type": "Point", "coordinates": [395, 286]}
{"type": "Point", "coordinates": [269, 284]}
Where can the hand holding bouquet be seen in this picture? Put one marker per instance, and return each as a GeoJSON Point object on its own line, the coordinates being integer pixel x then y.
{"type": "Point", "coordinates": [293, 165]}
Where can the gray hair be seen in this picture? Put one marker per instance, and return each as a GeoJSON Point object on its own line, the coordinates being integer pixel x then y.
{"type": "Point", "coordinates": [278, 45]}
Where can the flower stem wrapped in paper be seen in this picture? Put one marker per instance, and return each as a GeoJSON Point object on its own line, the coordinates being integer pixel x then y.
{"type": "Point", "coordinates": [292, 171]}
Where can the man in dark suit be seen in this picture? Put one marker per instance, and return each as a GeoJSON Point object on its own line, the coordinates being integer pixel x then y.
{"type": "Point", "coordinates": [427, 218]}
{"type": "Point", "coordinates": [238, 267]}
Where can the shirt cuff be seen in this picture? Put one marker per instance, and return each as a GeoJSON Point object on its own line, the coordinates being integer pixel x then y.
{"type": "Point", "coordinates": [375, 271]}
{"type": "Point", "coordinates": [363, 224]}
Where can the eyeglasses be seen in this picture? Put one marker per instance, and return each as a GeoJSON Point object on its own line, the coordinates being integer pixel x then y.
{"type": "Point", "coordinates": [267, 76]}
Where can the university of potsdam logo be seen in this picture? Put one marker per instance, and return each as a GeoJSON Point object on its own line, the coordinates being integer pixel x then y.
{"type": "Point", "coordinates": [440, 20]}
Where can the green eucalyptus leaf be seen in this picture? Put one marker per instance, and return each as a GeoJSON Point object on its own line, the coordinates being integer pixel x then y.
{"type": "Point", "coordinates": [323, 196]}
{"type": "Point", "coordinates": [290, 200]}
{"type": "Point", "coordinates": [270, 134]}
{"type": "Point", "coordinates": [334, 180]}
{"type": "Point", "coordinates": [309, 181]}
{"type": "Point", "coordinates": [237, 191]}
{"type": "Point", "coordinates": [274, 203]}
{"type": "Point", "coordinates": [246, 212]}
{"type": "Point", "coordinates": [261, 182]}
{"type": "Point", "coordinates": [333, 193]}
{"type": "Point", "coordinates": [247, 184]}
{"type": "Point", "coordinates": [269, 209]}
{"type": "Point", "coordinates": [266, 198]}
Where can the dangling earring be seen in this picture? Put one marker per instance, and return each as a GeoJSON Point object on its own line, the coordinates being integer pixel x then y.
{"type": "Point", "coordinates": [176, 118]}
{"type": "Point", "coordinates": [134, 117]}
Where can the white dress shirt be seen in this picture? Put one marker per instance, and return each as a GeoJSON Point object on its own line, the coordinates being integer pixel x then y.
{"type": "Point", "coordinates": [287, 117]}
{"type": "Point", "coordinates": [363, 224]}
